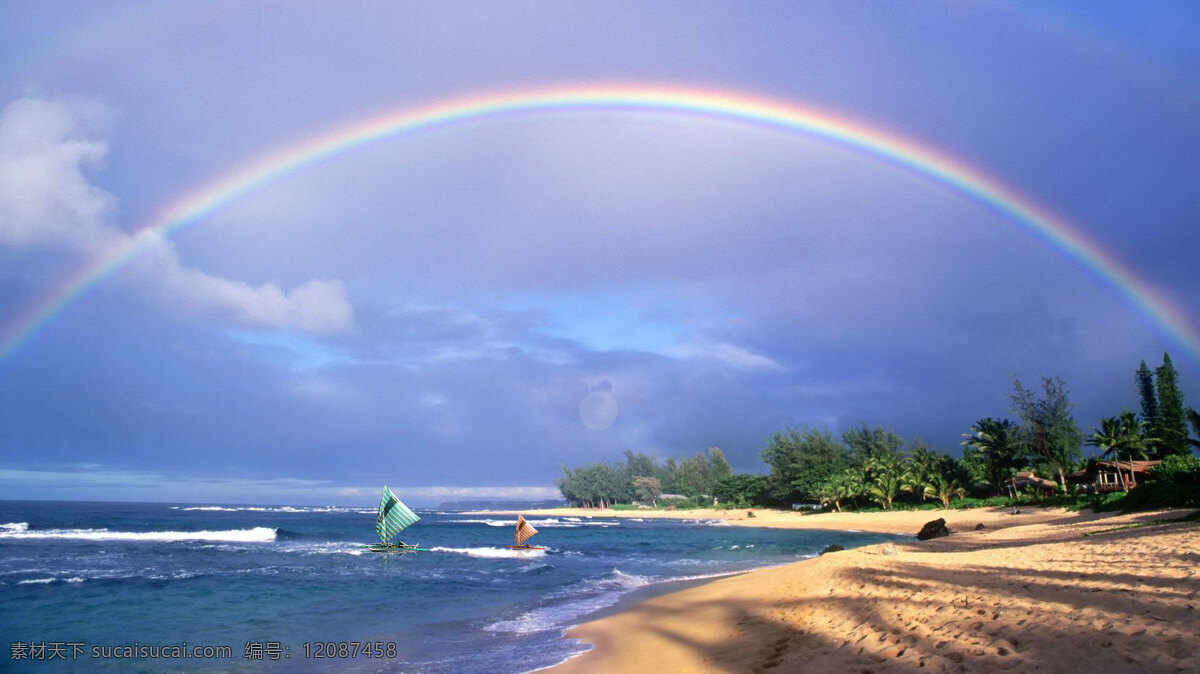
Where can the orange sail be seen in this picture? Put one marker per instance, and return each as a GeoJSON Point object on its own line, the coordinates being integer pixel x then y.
{"type": "Point", "coordinates": [524, 530]}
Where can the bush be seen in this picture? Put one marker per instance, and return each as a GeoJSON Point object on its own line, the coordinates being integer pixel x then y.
{"type": "Point", "coordinates": [1174, 483]}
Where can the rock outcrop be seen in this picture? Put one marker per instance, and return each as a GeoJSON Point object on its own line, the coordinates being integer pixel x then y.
{"type": "Point", "coordinates": [935, 529]}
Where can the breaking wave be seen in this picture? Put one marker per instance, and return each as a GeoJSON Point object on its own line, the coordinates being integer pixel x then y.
{"type": "Point", "coordinates": [276, 509]}
{"type": "Point", "coordinates": [550, 522]}
{"type": "Point", "coordinates": [495, 553]}
{"type": "Point", "coordinates": [332, 548]}
{"type": "Point", "coordinates": [45, 581]}
{"type": "Point", "coordinates": [575, 601]}
{"type": "Point", "coordinates": [20, 530]}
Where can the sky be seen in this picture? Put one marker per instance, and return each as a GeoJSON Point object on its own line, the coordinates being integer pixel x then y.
{"type": "Point", "coordinates": [462, 310]}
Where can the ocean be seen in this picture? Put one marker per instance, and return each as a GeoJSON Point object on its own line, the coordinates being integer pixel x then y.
{"type": "Point", "coordinates": [173, 587]}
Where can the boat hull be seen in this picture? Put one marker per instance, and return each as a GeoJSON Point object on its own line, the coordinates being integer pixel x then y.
{"type": "Point", "coordinates": [524, 547]}
{"type": "Point", "coordinates": [399, 547]}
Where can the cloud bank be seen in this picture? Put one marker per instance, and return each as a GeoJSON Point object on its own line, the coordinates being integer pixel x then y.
{"type": "Point", "coordinates": [47, 200]}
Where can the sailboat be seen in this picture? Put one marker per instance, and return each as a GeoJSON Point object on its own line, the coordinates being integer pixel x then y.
{"type": "Point", "coordinates": [522, 534]}
{"type": "Point", "coordinates": [393, 518]}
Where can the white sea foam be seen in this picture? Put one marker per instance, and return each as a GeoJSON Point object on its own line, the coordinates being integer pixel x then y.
{"type": "Point", "coordinates": [582, 598]}
{"type": "Point", "coordinates": [502, 553]}
{"type": "Point", "coordinates": [586, 597]}
{"type": "Point", "coordinates": [13, 527]}
{"type": "Point", "coordinates": [330, 548]}
{"type": "Point", "coordinates": [277, 509]}
{"type": "Point", "coordinates": [549, 523]}
{"type": "Point", "coordinates": [255, 535]}
{"type": "Point", "coordinates": [46, 581]}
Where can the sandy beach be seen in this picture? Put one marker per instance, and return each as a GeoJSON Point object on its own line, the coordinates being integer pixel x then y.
{"type": "Point", "coordinates": [1027, 592]}
{"type": "Point", "coordinates": [895, 522]}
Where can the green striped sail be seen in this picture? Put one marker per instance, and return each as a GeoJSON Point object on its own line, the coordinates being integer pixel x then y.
{"type": "Point", "coordinates": [393, 517]}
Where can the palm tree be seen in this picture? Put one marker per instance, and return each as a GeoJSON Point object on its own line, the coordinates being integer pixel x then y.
{"type": "Point", "coordinates": [919, 468]}
{"type": "Point", "coordinates": [828, 492]}
{"type": "Point", "coordinates": [888, 480]}
{"type": "Point", "coordinates": [1194, 418]}
{"type": "Point", "coordinates": [944, 489]}
{"type": "Point", "coordinates": [998, 441]}
{"type": "Point", "coordinates": [1120, 438]}
{"type": "Point", "coordinates": [846, 485]}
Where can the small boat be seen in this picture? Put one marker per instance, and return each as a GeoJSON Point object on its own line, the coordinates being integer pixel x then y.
{"type": "Point", "coordinates": [522, 534]}
{"type": "Point", "coordinates": [393, 518]}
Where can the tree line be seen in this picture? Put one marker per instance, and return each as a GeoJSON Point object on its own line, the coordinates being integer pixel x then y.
{"type": "Point", "coordinates": [866, 464]}
{"type": "Point", "coordinates": [642, 478]}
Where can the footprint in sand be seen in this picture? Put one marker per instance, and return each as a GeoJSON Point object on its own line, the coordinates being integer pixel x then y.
{"type": "Point", "coordinates": [776, 652]}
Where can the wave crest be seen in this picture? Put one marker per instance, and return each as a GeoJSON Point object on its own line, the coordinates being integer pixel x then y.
{"type": "Point", "coordinates": [494, 553]}
{"type": "Point", "coordinates": [255, 535]}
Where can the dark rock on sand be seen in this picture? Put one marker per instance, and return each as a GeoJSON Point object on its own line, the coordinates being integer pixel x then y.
{"type": "Point", "coordinates": [979, 526]}
{"type": "Point", "coordinates": [935, 529]}
{"type": "Point", "coordinates": [833, 548]}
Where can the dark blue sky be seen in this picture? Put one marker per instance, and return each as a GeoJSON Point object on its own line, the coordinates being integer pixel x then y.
{"type": "Point", "coordinates": [465, 310]}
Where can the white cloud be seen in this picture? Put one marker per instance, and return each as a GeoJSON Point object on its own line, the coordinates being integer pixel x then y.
{"type": "Point", "coordinates": [727, 354]}
{"type": "Point", "coordinates": [314, 306]}
{"type": "Point", "coordinates": [47, 200]}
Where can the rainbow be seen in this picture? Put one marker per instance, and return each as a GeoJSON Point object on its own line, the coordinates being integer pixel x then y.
{"type": "Point", "coordinates": [725, 105]}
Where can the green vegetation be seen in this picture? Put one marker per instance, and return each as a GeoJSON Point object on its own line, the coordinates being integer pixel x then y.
{"type": "Point", "coordinates": [1144, 383]}
{"type": "Point", "coordinates": [874, 468]}
{"type": "Point", "coordinates": [1171, 423]}
{"type": "Point", "coordinates": [1047, 427]}
{"type": "Point", "coordinates": [1173, 483]}
{"type": "Point", "coordinates": [801, 461]}
{"type": "Point", "coordinates": [642, 478]}
{"type": "Point", "coordinates": [1000, 452]}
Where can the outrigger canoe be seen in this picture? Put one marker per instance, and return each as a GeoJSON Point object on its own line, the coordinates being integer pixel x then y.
{"type": "Point", "coordinates": [393, 518]}
{"type": "Point", "coordinates": [522, 534]}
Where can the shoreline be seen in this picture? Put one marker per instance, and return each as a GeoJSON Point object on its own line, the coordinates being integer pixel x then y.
{"type": "Point", "coordinates": [1026, 595]}
{"type": "Point", "coordinates": [903, 522]}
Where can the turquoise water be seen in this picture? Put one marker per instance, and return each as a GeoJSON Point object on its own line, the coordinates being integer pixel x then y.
{"type": "Point", "coordinates": [278, 580]}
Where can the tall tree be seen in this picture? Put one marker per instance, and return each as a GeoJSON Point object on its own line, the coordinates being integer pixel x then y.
{"type": "Point", "coordinates": [1144, 381]}
{"type": "Point", "coordinates": [718, 467]}
{"type": "Point", "coordinates": [1171, 428]}
{"type": "Point", "coordinates": [866, 443]}
{"type": "Point", "coordinates": [694, 476]}
{"type": "Point", "coordinates": [999, 446]}
{"type": "Point", "coordinates": [741, 490]}
{"type": "Point", "coordinates": [1048, 425]}
{"type": "Point", "coordinates": [645, 465]}
{"type": "Point", "coordinates": [801, 461]}
{"type": "Point", "coordinates": [647, 489]}
{"type": "Point", "coordinates": [1194, 419]}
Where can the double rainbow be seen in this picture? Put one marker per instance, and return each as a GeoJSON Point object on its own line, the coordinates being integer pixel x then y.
{"type": "Point", "coordinates": [967, 180]}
